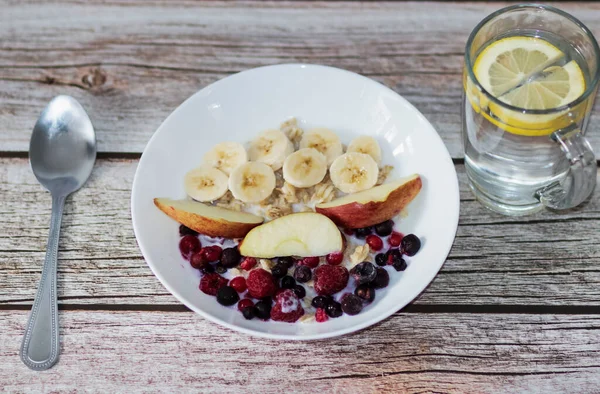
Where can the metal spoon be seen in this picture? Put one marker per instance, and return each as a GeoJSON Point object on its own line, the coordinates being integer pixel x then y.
{"type": "Point", "coordinates": [62, 153]}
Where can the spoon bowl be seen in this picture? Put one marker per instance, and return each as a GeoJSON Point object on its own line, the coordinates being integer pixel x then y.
{"type": "Point", "coordinates": [62, 153]}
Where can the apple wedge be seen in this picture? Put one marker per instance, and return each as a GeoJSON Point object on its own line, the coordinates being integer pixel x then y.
{"type": "Point", "coordinates": [372, 206]}
{"type": "Point", "coordinates": [299, 234]}
{"type": "Point", "coordinates": [207, 219]}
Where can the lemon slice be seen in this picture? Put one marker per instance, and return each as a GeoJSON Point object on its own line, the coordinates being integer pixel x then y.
{"type": "Point", "coordinates": [508, 62]}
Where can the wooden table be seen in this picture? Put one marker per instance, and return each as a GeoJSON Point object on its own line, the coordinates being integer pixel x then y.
{"type": "Point", "coordinates": [515, 308]}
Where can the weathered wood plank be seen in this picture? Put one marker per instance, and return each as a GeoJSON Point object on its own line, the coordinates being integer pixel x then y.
{"type": "Point", "coordinates": [181, 352]}
{"type": "Point", "coordinates": [132, 63]}
{"type": "Point", "coordinates": [544, 259]}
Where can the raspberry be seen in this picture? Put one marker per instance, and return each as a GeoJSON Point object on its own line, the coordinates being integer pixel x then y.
{"type": "Point", "coordinates": [375, 243]}
{"type": "Point", "coordinates": [248, 263]}
{"type": "Point", "coordinates": [211, 283]}
{"type": "Point", "coordinates": [321, 316]}
{"type": "Point", "coordinates": [287, 307]}
{"type": "Point", "coordinates": [334, 258]}
{"type": "Point", "coordinates": [260, 283]}
{"type": "Point", "coordinates": [189, 245]}
{"type": "Point", "coordinates": [329, 279]}
{"type": "Point", "coordinates": [245, 303]}
{"type": "Point", "coordinates": [395, 239]}
{"type": "Point", "coordinates": [310, 262]}
{"type": "Point", "coordinates": [239, 284]}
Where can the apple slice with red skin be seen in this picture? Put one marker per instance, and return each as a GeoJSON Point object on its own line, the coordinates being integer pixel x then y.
{"type": "Point", "coordinates": [208, 219]}
{"type": "Point", "coordinates": [372, 206]}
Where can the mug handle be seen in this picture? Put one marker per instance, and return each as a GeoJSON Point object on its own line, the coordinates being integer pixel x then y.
{"type": "Point", "coordinates": [580, 181]}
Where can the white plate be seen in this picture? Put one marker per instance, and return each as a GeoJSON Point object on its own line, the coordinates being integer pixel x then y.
{"type": "Point", "coordinates": [236, 109]}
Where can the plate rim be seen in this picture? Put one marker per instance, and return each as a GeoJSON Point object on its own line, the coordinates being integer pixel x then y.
{"type": "Point", "coordinates": [275, 336]}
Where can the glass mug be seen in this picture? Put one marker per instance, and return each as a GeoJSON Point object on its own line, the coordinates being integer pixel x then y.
{"type": "Point", "coordinates": [520, 160]}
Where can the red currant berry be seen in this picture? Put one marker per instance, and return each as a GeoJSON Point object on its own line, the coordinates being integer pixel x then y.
{"type": "Point", "coordinates": [335, 258]}
{"type": "Point", "coordinates": [375, 243]}
{"type": "Point", "coordinates": [395, 239]}
{"type": "Point", "coordinates": [239, 284]}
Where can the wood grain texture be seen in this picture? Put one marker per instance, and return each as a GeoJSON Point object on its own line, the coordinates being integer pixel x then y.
{"type": "Point", "coordinates": [544, 259]}
{"type": "Point", "coordinates": [131, 63]}
{"type": "Point", "coordinates": [180, 352]}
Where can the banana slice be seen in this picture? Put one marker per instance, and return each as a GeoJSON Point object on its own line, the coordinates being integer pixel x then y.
{"type": "Point", "coordinates": [305, 168]}
{"type": "Point", "coordinates": [252, 182]}
{"type": "Point", "coordinates": [353, 172]}
{"type": "Point", "coordinates": [366, 144]}
{"type": "Point", "coordinates": [226, 156]}
{"type": "Point", "coordinates": [271, 147]}
{"type": "Point", "coordinates": [325, 141]}
{"type": "Point", "coordinates": [205, 183]}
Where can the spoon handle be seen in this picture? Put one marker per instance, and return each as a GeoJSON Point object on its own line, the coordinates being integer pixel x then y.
{"type": "Point", "coordinates": [40, 347]}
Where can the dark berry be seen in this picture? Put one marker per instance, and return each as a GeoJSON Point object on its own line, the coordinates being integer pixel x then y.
{"type": "Point", "coordinates": [300, 291]}
{"type": "Point", "coordinates": [279, 271]}
{"type": "Point", "coordinates": [334, 258]}
{"type": "Point", "coordinates": [410, 245]}
{"type": "Point", "coordinates": [207, 269]}
{"type": "Point", "coordinates": [381, 280]}
{"type": "Point", "coordinates": [310, 262]}
{"type": "Point", "coordinates": [374, 242]}
{"type": "Point", "coordinates": [365, 292]}
{"type": "Point", "coordinates": [351, 304]}
{"type": "Point", "coordinates": [212, 253]}
{"type": "Point", "coordinates": [329, 279]}
{"type": "Point", "coordinates": [262, 310]}
{"type": "Point", "coordinates": [364, 272]}
{"type": "Point", "coordinates": [239, 284]}
{"type": "Point", "coordinates": [381, 259]}
{"type": "Point", "coordinates": [227, 296]}
{"type": "Point", "coordinates": [362, 232]}
{"type": "Point", "coordinates": [321, 315]}
{"type": "Point", "coordinates": [245, 303]}
{"type": "Point", "coordinates": [248, 313]}
{"type": "Point", "coordinates": [188, 245]}
{"type": "Point", "coordinates": [220, 269]}
{"type": "Point", "coordinates": [287, 261]}
{"type": "Point", "coordinates": [334, 309]}
{"type": "Point", "coordinates": [260, 283]}
{"type": "Point", "coordinates": [230, 257]}
{"type": "Point", "coordinates": [268, 300]}
{"type": "Point", "coordinates": [321, 301]}
{"type": "Point", "coordinates": [348, 231]}
{"type": "Point", "coordinates": [302, 273]}
{"type": "Point", "coordinates": [393, 255]}
{"type": "Point", "coordinates": [395, 239]}
{"type": "Point", "coordinates": [198, 261]}
{"type": "Point", "coordinates": [248, 263]}
{"type": "Point", "coordinates": [399, 265]}
{"type": "Point", "coordinates": [211, 283]}
{"type": "Point", "coordinates": [184, 230]}
{"type": "Point", "coordinates": [385, 228]}
{"type": "Point", "coordinates": [287, 282]}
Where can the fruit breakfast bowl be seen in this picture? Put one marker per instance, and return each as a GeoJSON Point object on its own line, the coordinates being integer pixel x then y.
{"type": "Point", "coordinates": [420, 195]}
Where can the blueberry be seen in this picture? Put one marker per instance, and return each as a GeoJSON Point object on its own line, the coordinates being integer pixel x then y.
{"type": "Point", "coordinates": [279, 271]}
{"type": "Point", "coordinates": [231, 257]}
{"type": "Point", "coordinates": [334, 309]}
{"type": "Point", "coordinates": [362, 232]}
{"type": "Point", "coordinates": [381, 280]}
{"type": "Point", "coordinates": [268, 300]}
{"type": "Point", "coordinates": [248, 312]}
{"type": "Point", "coordinates": [381, 259]}
{"type": "Point", "coordinates": [384, 229]}
{"type": "Point", "coordinates": [321, 301]}
{"type": "Point", "coordinates": [287, 261]}
{"type": "Point", "coordinates": [365, 292]}
{"type": "Point", "coordinates": [410, 244]}
{"type": "Point", "coordinates": [184, 230]}
{"type": "Point", "coordinates": [220, 268]}
{"type": "Point", "coordinates": [207, 269]}
{"type": "Point", "coordinates": [287, 282]}
{"type": "Point", "coordinates": [227, 296]}
{"type": "Point", "coordinates": [399, 265]}
{"type": "Point", "coordinates": [300, 291]}
{"type": "Point", "coordinates": [351, 304]}
{"type": "Point", "coordinates": [302, 274]}
{"type": "Point", "coordinates": [364, 272]}
{"type": "Point", "coordinates": [262, 310]}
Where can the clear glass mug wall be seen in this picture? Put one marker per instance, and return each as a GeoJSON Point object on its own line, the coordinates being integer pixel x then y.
{"type": "Point", "coordinates": [518, 160]}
